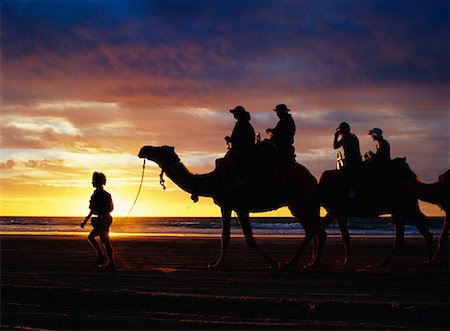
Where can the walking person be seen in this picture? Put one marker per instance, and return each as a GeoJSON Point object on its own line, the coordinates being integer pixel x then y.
{"type": "Point", "coordinates": [100, 205]}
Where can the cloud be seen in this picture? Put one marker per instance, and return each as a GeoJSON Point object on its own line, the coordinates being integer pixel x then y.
{"type": "Point", "coordinates": [46, 164]}
{"type": "Point", "coordinates": [160, 60]}
{"type": "Point", "coordinates": [8, 164]}
{"type": "Point", "coordinates": [167, 72]}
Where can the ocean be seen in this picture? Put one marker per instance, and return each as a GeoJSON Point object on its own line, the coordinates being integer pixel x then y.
{"type": "Point", "coordinates": [201, 226]}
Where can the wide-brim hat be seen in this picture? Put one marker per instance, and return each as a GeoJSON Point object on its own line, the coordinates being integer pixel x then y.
{"type": "Point", "coordinates": [281, 108]}
{"type": "Point", "coordinates": [376, 132]}
{"type": "Point", "coordinates": [238, 110]}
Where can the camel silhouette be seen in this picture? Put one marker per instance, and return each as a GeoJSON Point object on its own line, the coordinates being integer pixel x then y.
{"type": "Point", "coordinates": [289, 185]}
{"type": "Point", "coordinates": [396, 194]}
{"type": "Point", "coordinates": [438, 193]}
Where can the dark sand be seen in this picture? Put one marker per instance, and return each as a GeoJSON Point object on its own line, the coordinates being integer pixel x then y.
{"type": "Point", "coordinates": [162, 283]}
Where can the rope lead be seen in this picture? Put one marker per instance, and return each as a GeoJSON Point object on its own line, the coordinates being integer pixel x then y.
{"type": "Point", "coordinates": [135, 200]}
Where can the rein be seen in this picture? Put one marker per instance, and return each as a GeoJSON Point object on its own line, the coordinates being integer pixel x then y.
{"type": "Point", "coordinates": [163, 170]}
{"type": "Point", "coordinates": [135, 200]}
{"type": "Point", "coordinates": [194, 196]}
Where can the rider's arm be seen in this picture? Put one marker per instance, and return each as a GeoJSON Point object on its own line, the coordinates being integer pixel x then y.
{"type": "Point", "coordinates": [336, 143]}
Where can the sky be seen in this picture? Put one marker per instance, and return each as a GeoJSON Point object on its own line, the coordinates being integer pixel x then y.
{"type": "Point", "coordinates": [86, 84]}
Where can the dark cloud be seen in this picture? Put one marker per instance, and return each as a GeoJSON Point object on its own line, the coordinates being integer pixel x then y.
{"type": "Point", "coordinates": [220, 43]}
{"type": "Point", "coordinates": [172, 69]}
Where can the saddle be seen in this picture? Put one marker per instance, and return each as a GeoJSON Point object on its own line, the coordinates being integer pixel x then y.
{"type": "Point", "coordinates": [263, 167]}
{"type": "Point", "coordinates": [371, 179]}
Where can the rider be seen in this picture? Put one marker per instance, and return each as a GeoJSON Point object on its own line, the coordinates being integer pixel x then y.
{"type": "Point", "coordinates": [383, 152]}
{"type": "Point", "coordinates": [282, 136]}
{"type": "Point", "coordinates": [241, 142]}
{"type": "Point", "coordinates": [350, 143]}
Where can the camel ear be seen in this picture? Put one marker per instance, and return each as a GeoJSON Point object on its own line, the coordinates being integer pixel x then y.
{"type": "Point", "coordinates": [172, 148]}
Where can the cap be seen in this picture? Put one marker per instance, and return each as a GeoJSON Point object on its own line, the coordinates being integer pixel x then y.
{"type": "Point", "coordinates": [344, 126]}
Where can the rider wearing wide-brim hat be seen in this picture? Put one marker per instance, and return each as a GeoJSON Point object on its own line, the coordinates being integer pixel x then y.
{"type": "Point", "coordinates": [383, 149]}
{"type": "Point", "coordinates": [283, 133]}
{"type": "Point", "coordinates": [241, 145]}
{"type": "Point", "coordinates": [243, 136]}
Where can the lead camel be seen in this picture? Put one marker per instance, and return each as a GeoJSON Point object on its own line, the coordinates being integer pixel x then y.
{"type": "Point", "coordinates": [290, 185]}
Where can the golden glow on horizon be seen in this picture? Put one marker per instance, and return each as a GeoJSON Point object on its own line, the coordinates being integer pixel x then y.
{"type": "Point", "coordinates": [56, 182]}
{"type": "Point", "coordinates": [177, 204]}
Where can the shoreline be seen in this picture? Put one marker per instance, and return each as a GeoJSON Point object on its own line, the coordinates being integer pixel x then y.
{"type": "Point", "coordinates": [48, 282]}
{"type": "Point", "coordinates": [196, 235]}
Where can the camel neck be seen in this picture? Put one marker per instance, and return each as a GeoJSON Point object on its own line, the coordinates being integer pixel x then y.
{"type": "Point", "coordinates": [202, 185]}
{"type": "Point", "coordinates": [431, 193]}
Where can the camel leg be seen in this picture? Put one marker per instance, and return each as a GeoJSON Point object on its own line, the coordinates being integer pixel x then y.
{"type": "Point", "coordinates": [399, 241]}
{"type": "Point", "coordinates": [420, 225]}
{"type": "Point", "coordinates": [244, 219]}
{"type": "Point", "coordinates": [319, 241]}
{"type": "Point", "coordinates": [345, 235]}
{"type": "Point", "coordinates": [443, 238]}
{"type": "Point", "coordinates": [226, 225]}
{"type": "Point", "coordinates": [313, 230]}
{"type": "Point", "coordinates": [294, 260]}
{"type": "Point", "coordinates": [328, 219]}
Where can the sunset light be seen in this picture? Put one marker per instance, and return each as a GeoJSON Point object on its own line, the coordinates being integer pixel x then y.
{"type": "Point", "coordinates": [224, 164]}
{"type": "Point", "coordinates": [81, 94]}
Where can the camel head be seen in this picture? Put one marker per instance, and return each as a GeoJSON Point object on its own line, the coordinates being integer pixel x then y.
{"type": "Point", "coordinates": [164, 156]}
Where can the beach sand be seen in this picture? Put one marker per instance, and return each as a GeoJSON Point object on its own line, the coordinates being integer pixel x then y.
{"type": "Point", "coordinates": [48, 282]}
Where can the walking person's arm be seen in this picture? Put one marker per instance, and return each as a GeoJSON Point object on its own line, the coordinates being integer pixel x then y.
{"type": "Point", "coordinates": [86, 219]}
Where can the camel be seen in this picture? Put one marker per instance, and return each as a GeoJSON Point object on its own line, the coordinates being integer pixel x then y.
{"type": "Point", "coordinates": [289, 185]}
{"type": "Point", "coordinates": [438, 193]}
{"type": "Point", "coordinates": [396, 194]}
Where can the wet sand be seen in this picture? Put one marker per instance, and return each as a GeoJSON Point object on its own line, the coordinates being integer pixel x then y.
{"type": "Point", "coordinates": [163, 283]}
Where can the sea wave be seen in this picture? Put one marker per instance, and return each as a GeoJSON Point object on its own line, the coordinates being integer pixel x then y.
{"type": "Point", "coordinates": [204, 225]}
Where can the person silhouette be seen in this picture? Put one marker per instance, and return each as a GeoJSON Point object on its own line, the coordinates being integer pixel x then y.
{"type": "Point", "coordinates": [100, 204]}
{"type": "Point", "coordinates": [383, 149]}
{"type": "Point", "coordinates": [282, 136]}
{"type": "Point", "coordinates": [241, 143]}
{"type": "Point", "coordinates": [350, 143]}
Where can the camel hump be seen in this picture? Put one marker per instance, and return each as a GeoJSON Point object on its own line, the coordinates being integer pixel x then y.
{"type": "Point", "coordinates": [328, 175]}
{"type": "Point", "coordinates": [445, 177]}
{"type": "Point", "coordinates": [399, 168]}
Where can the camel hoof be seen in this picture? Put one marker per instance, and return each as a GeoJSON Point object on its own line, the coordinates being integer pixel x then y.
{"type": "Point", "coordinates": [291, 264]}
{"type": "Point", "coordinates": [377, 266]}
{"type": "Point", "coordinates": [215, 266]}
{"type": "Point", "coordinates": [310, 265]}
{"type": "Point", "coordinates": [347, 263]}
{"type": "Point", "coordinates": [275, 266]}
